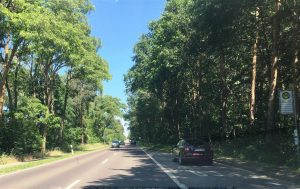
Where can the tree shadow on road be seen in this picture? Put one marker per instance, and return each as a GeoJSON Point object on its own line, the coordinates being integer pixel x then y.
{"type": "Point", "coordinates": [144, 174]}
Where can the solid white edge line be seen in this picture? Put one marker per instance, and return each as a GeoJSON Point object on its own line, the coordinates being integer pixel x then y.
{"type": "Point", "coordinates": [173, 177]}
{"type": "Point", "coordinates": [73, 184]}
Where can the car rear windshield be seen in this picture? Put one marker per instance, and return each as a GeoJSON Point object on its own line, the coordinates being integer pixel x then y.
{"type": "Point", "coordinates": [196, 142]}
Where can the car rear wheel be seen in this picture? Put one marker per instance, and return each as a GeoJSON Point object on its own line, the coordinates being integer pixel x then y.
{"type": "Point", "coordinates": [180, 160]}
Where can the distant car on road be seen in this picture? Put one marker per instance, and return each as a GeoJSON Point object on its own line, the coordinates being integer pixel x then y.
{"type": "Point", "coordinates": [115, 144]}
{"type": "Point", "coordinates": [192, 151]}
{"type": "Point", "coordinates": [132, 142]}
{"type": "Point", "coordinates": [121, 142]}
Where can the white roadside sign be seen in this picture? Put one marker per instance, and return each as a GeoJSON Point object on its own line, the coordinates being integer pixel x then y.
{"type": "Point", "coordinates": [286, 102]}
{"type": "Point", "coordinates": [296, 139]}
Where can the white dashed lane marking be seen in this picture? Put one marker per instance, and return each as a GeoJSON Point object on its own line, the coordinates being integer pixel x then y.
{"type": "Point", "coordinates": [73, 184]}
{"type": "Point", "coordinates": [105, 161]}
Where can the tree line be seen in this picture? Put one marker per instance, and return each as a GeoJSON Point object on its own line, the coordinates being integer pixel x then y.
{"type": "Point", "coordinates": [51, 78]}
{"type": "Point", "coordinates": [213, 68]}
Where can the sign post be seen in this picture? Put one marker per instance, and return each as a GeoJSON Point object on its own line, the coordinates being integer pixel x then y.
{"type": "Point", "coordinates": [287, 101]}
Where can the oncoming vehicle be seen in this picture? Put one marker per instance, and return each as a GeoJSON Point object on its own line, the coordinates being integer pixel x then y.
{"type": "Point", "coordinates": [192, 151]}
{"type": "Point", "coordinates": [115, 144]}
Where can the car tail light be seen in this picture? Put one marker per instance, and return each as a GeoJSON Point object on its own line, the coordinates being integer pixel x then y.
{"type": "Point", "coordinates": [186, 149]}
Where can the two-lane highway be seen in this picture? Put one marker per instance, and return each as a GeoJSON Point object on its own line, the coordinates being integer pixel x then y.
{"type": "Point", "coordinates": [132, 167]}
{"type": "Point", "coordinates": [218, 176]}
{"type": "Point", "coordinates": [124, 167]}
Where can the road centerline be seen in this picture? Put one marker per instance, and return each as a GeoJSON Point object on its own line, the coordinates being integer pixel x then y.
{"type": "Point", "coordinates": [104, 161]}
{"type": "Point", "coordinates": [73, 184]}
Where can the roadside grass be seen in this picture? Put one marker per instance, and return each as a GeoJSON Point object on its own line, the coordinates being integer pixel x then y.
{"type": "Point", "coordinates": [91, 147]}
{"type": "Point", "coordinates": [156, 147]}
{"type": "Point", "coordinates": [244, 149]}
{"type": "Point", "coordinates": [254, 149]}
{"type": "Point", "coordinates": [10, 164]}
{"type": "Point", "coordinates": [6, 159]}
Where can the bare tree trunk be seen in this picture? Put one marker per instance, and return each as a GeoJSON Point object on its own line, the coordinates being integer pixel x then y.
{"type": "Point", "coordinates": [15, 86]}
{"type": "Point", "coordinates": [296, 87]}
{"type": "Point", "coordinates": [51, 93]}
{"type": "Point", "coordinates": [10, 101]}
{"type": "Point", "coordinates": [33, 70]}
{"type": "Point", "coordinates": [47, 87]}
{"type": "Point", "coordinates": [223, 112]}
{"type": "Point", "coordinates": [4, 77]}
{"type": "Point", "coordinates": [253, 83]}
{"type": "Point", "coordinates": [47, 101]}
{"type": "Point", "coordinates": [7, 63]}
{"type": "Point", "coordinates": [81, 123]}
{"type": "Point", "coordinates": [296, 77]}
{"type": "Point", "coordinates": [274, 71]}
{"type": "Point", "coordinates": [44, 140]}
{"type": "Point", "coordinates": [63, 116]}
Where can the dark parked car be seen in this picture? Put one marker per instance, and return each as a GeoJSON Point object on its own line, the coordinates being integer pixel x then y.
{"type": "Point", "coordinates": [193, 151]}
{"type": "Point", "coordinates": [115, 144]}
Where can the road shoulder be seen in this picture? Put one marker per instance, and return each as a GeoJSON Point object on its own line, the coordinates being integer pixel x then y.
{"type": "Point", "coordinates": [20, 166]}
{"type": "Point", "coordinates": [249, 170]}
{"type": "Point", "coordinates": [282, 173]}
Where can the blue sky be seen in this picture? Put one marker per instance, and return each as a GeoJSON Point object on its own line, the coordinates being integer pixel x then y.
{"type": "Point", "coordinates": [119, 24]}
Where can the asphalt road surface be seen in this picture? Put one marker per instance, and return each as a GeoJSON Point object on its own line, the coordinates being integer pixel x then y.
{"type": "Point", "coordinates": [131, 167]}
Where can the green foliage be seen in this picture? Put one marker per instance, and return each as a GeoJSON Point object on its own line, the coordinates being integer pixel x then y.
{"type": "Point", "coordinates": [32, 112]}
{"type": "Point", "coordinates": [72, 136]}
{"type": "Point", "coordinates": [32, 117]}
{"type": "Point", "coordinates": [47, 106]}
{"type": "Point", "coordinates": [103, 119]}
{"type": "Point", "coordinates": [192, 75]}
{"type": "Point", "coordinates": [28, 140]}
{"type": "Point", "coordinates": [254, 148]}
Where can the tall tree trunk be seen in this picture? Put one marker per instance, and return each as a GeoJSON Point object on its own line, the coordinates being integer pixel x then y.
{"type": "Point", "coordinates": [51, 93]}
{"type": "Point", "coordinates": [44, 140]}
{"type": "Point", "coordinates": [274, 72]}
{"type": "Point", "coordinates": [176, 117]}
{"type": "Point", "coordinates": [47, 88]}
{"type": "Point", "coordinates": [81, 123]}
{"type": "Point", "coordinates": [254, 65]}
{"type": "Point", "coordinates": [33, 71]}
{"type": "Point", "coordinates": [7, 63]}
{"type": "Point", "coordinates": [15, 86]}
{"type": "Point", "coordinates": [10, 98]}
{"type": "Point", "coordinates": [47, 96]}
{"type": "Point", "coordinates": [296, 77]}
{"type": "Point", "coordinates": [296, 86]}
{"type": "Point", "coordinates": [63, 116]}
{"type": "Point", "coordinates": [223, 112]}
{"type": "Point", "coordinates": [12, 94]}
